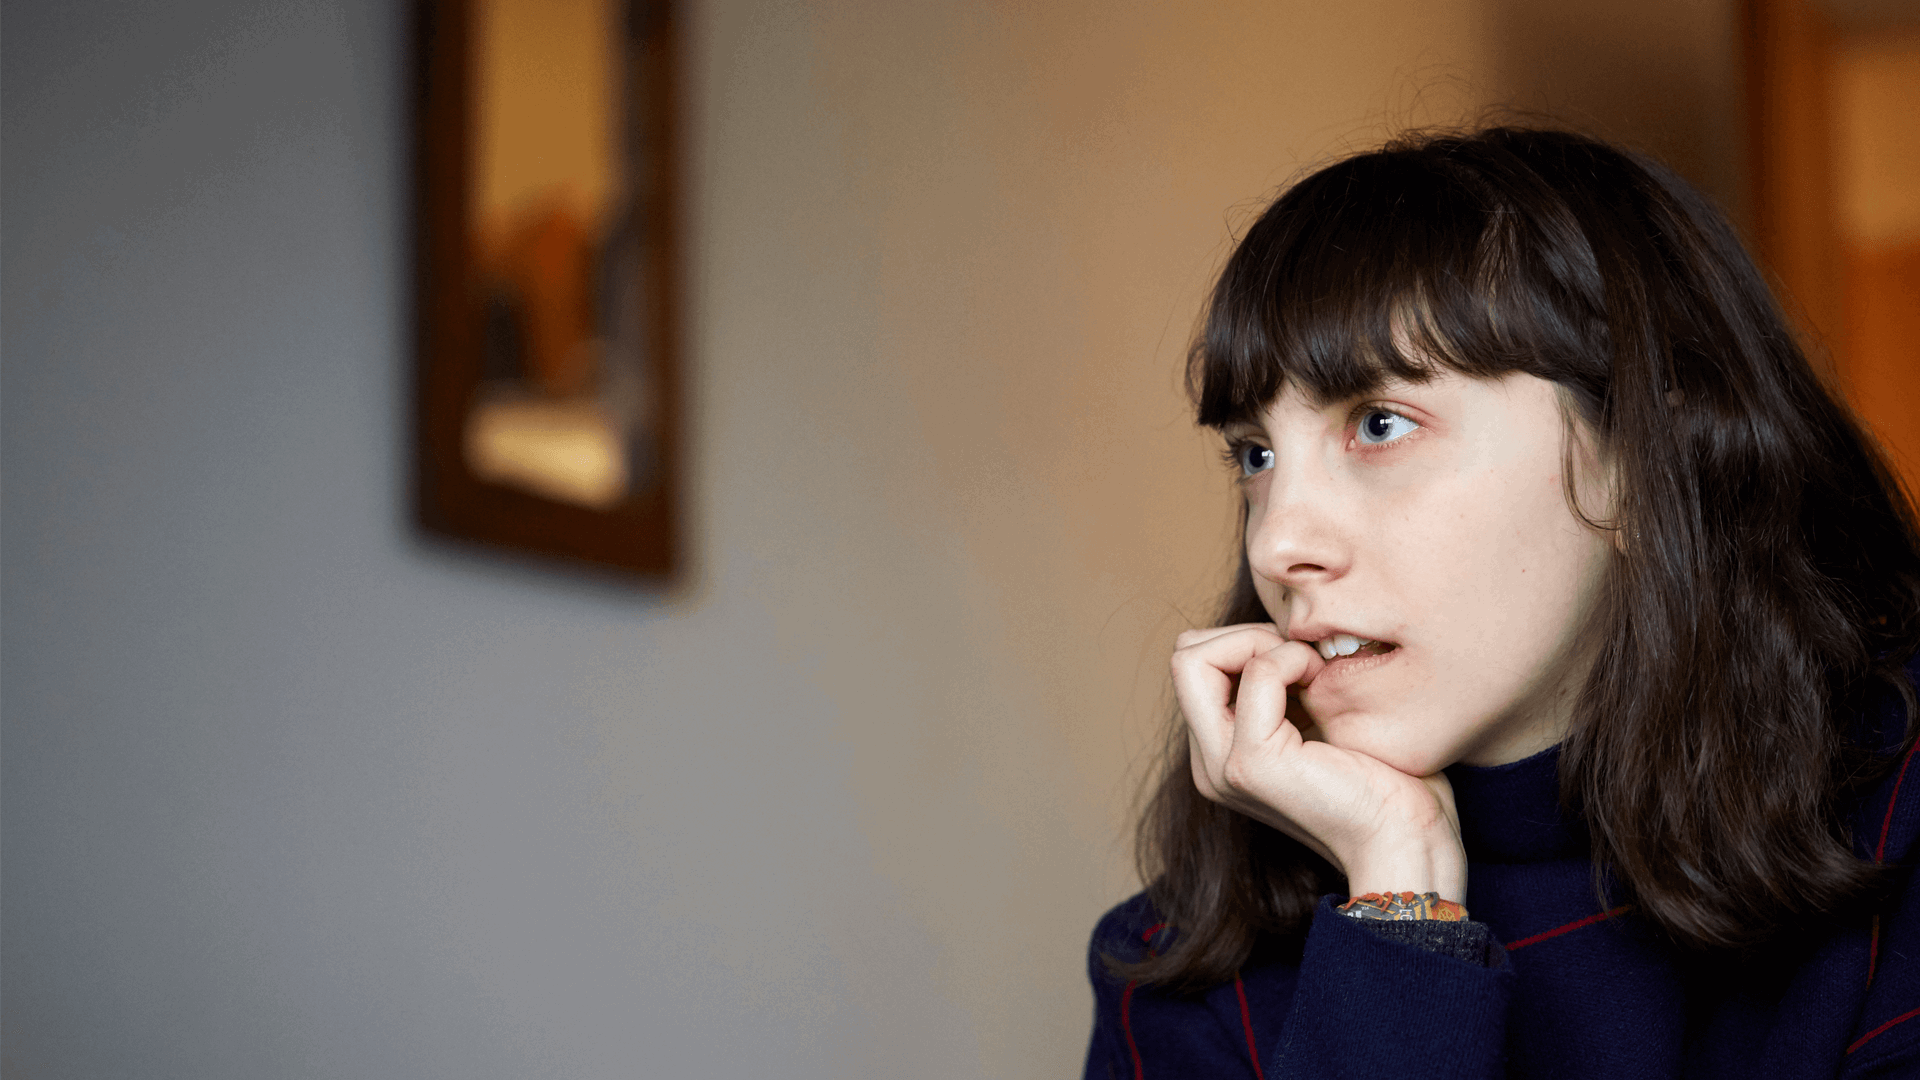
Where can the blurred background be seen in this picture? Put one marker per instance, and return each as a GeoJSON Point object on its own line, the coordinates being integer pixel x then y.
{"type": "Point", "coordinates": [288, 790]}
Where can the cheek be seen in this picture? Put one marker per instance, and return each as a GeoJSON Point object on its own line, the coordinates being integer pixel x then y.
{"type": "Point", "coordinates": [1510, 572]}
{"type": "Point", "coordinates": [1491, 602]}
{"type": "Point", "coordinates": [1273, 598]}
{"type": "Point", "coordinates": [1512, 618]}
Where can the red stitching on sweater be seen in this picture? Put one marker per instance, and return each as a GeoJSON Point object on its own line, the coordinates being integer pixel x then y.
{"type": "Point", "coordinates": [1873, 949]}
{"type": "Point", "coordinates": [1574, 925]}
{"type": "Point", "coordinates": [1879, 855]}
{"type": "Point", "coordinates": [1886, 825]}
{"type": "Point", "coordinates": [1126, 1005]}
{"type": "Point", "coordinates": [1246, 1022]}
{"type": "Point", "coordinates": [1862, 1040]}
{"type": "Point", "coordinates": [1126, 1026]}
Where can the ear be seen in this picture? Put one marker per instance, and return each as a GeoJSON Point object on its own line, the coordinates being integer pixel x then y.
{"type": "Point", "coordinates": [1625, 535]}
{"type": "Point", "coordinates": [1594, 495]}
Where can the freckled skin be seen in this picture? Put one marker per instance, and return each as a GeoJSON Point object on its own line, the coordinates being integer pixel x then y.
{"type": "Point", "coordinates": [1454, 541]}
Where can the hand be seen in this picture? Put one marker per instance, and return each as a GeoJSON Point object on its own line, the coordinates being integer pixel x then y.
{"type": "Point", "coordinates": [1385, 830]}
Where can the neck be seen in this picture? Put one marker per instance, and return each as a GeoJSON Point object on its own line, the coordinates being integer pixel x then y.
{"type": "Point", "coordinates": [1511, 813]}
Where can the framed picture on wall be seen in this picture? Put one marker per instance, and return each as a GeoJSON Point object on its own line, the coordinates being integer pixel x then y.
{"type": "Point", "coordinates": [547, 390]}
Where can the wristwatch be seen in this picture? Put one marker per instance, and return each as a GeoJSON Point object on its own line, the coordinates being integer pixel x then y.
{"type": "Point", "coordinates": [1403, 907]}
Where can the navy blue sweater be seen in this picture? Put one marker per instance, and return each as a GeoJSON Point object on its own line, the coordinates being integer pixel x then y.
{"type": "Point", "coordinates": [1578, 991]}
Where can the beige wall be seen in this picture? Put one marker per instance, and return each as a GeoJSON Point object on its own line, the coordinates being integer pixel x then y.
{"type": "Point", "coordinates": [289, 791]}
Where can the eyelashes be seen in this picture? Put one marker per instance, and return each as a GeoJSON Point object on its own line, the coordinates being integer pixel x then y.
{"type": "Point", "coordinates": [1379, 426]}
{"type": "Point", "coordinates": [1371, 426]}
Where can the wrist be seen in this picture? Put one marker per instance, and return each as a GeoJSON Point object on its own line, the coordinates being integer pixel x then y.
{"type": "Point", "coordinates": [1428, 865]}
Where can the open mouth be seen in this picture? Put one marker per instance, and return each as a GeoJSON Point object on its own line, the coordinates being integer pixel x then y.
{"type": "Point", "coordinates": [1344, 645]}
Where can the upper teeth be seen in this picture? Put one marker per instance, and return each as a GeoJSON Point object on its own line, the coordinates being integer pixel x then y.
{"type": "Point", "coordinates": [1340, 645]}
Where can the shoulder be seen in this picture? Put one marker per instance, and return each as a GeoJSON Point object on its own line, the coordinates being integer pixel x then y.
{"type": "Point", "coordinates": [1886, 823]}
{"type": "Point", "coordinates": [1127, 933]}
{"type": "Point", "coordinates": [1882, 727]}
{"type": "Point", "coordinates": [1140, 1029]}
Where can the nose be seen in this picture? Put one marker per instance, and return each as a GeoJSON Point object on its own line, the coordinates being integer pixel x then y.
{"type": "Point", "coordinates": [1295, 531]}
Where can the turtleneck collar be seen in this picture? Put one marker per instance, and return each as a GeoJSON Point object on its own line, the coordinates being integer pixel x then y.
{"type": "Point", "coordinates": [1511, 813]}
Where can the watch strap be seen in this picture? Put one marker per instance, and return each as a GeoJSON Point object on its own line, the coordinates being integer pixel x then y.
{"type": "Point", "coordinates": [1403, 907]}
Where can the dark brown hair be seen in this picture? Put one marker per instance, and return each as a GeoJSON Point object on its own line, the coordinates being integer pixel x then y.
{"type": "Point", "coordinates": [1771, 577]}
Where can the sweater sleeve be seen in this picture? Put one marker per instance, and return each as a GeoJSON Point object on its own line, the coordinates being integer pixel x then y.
{"type": "Point", "coordinates": [1465, 940]}
{"type": "Point", "coordinates": [1370, 1006]}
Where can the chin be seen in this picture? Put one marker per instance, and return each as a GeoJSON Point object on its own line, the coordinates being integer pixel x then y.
{"type": "Point", "coordinates": [1416, 763]}
{"type": "Point", "coordinates": [1409, 756]}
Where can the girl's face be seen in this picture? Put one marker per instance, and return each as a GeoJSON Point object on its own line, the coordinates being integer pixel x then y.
{"type": "Point", "coordinates": [1428, 524]}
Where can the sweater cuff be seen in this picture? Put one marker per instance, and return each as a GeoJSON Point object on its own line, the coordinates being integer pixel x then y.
{"type": "Point", "coordinates": [1464, 940]}
{"type": "Point", "coordinates": [1367, 1006]}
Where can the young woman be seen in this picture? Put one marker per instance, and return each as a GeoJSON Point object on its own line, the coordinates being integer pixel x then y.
{"type": "Point", "coordinates": [1556, 722]}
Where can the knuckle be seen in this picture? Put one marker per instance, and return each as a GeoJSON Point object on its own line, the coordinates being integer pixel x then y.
{"type": "Point", "coordinates": [1237, 773]}
{"type": "Point", "coordinates": [1204, 784]}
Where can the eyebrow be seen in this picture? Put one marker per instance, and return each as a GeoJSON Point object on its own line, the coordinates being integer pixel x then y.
{"type": "Point", "coordinates": [1382, 382]}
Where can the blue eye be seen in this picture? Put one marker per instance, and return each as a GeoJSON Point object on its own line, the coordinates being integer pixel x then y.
{"type": "Point", "coordinates": [1381, 426]}
{"type": "Point", "coordinates": [1252, 458]}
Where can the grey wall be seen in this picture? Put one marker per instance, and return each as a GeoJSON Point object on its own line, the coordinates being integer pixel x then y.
{"type": "Point", "coordinates": [286, 792]}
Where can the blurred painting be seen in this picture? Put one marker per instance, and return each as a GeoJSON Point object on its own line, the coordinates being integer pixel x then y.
{"type": "Point", "coordinates": [558, 374]}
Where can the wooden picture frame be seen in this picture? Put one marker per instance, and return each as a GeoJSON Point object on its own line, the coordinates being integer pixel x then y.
{"type": "Point", "coordinates": [614, 502]}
